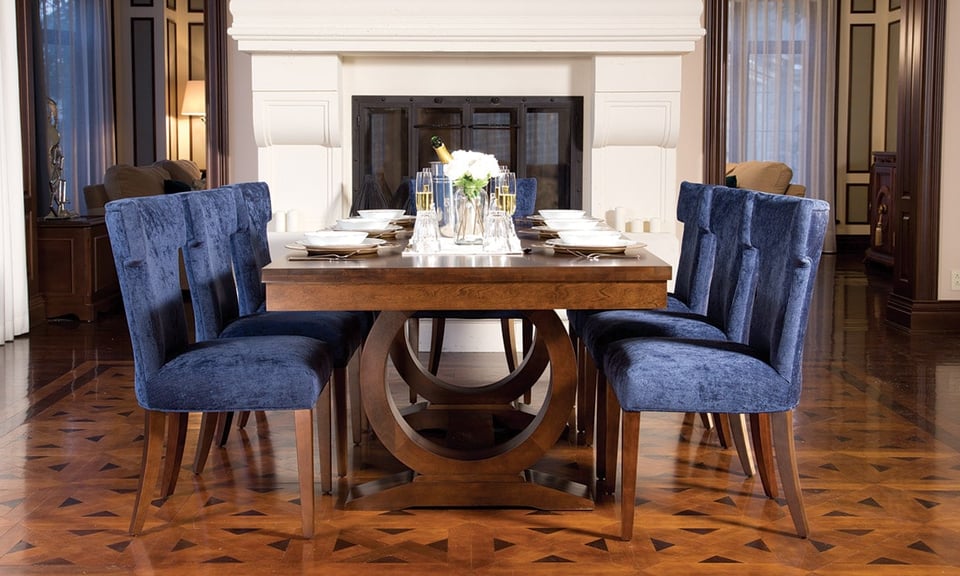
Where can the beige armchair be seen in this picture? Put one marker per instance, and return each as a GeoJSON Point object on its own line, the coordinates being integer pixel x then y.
{"type": "Point", "coordinates": [773, 177]}
{"type": "Point", "coordinates": [125, 181]}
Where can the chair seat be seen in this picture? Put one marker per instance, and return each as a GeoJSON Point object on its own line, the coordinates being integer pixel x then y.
{"type": "Point", "coordinates": [603, 329]}
{"type": "Point", "coordinates": [342, 331]}
{"type": "Point", "coordinates": [657, 374]}
{"type": "Point", "coordinates": [236, 373]}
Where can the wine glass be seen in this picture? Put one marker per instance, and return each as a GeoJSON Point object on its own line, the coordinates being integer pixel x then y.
{"type": "Point", "coordinates": [506, 192]}
{"type": "Point", "coordinates": [424, 190]}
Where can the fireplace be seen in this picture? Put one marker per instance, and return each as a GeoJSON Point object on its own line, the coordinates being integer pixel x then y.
{"type": "Point", "coordinates": [623, 58]}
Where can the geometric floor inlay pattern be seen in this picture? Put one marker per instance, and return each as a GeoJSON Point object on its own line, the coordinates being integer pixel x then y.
{"type": "Point", "coordinates": [878, 444]}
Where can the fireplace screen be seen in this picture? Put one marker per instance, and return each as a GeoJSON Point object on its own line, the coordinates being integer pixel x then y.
{"type": "Point", "coordinates": [537, 137]}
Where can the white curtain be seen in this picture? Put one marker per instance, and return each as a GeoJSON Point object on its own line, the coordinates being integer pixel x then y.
{"type": "Point", "coordinates": [77, 61]}
{"type": "Point", "coordinates": [14, 300]}
{"type": "Point", "coordinates": [781, 90]}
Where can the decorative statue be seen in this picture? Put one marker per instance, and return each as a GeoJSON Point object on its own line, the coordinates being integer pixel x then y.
{"type": "Point", "coordinates": [58, 186]}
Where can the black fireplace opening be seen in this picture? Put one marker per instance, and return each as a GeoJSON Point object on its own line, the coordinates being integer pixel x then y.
{"type": "Point", "coordinates": [536, 136]}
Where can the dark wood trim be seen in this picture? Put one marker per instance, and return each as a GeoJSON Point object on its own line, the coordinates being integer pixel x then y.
{"type": "Point", "coordinates": [215, 18]}
{"type": "Point", "coordinates": [924, 316]}
{"type": "Point", "coordinates": [919, 127]}
{"type": "Point", "coordinates": [26, 13]}
{"type": "Point", "coordinates": [715, 93]}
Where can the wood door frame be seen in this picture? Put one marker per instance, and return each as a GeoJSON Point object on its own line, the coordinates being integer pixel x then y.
{"type": "Point", "coordinates": [913, 303]}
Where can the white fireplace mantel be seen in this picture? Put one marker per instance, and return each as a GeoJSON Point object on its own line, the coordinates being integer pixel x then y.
{"type": "Point", "coordinates": [622, 56]}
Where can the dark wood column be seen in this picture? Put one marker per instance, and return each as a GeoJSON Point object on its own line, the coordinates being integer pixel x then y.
{"type": "Point", "coordinates": [715, 92]}
{"type": "Point", "coordinates": [913, 303]}
{"type": "Point", "coordinates": [215, 20]}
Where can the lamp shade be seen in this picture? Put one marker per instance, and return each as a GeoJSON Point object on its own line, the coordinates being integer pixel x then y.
{"type": "Point", "coordinates": [194, 100]}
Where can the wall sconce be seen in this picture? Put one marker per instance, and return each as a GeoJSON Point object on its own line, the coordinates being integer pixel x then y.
{"type": "Point", "coordinates": [194, 100]}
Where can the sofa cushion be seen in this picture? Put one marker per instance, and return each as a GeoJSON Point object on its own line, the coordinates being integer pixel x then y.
{"type": "Point", "coordinates": [181, 170]}
{"type": "Point", "coordinates": [125, 181]}
{"type": "Point", "coordinates": [763, 176]}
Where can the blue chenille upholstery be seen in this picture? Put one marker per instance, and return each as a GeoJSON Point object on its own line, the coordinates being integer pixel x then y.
{"type": "Point", "coordinates": [691, 289]}
{"type": "Point", "coordinates": [731, 288]}
{"type": "Point", "coordinates": [146, 235]}
{"type": "Point", "coordinates": [251, 252]}
{"type": "Point", "coordinates": [173, 377]}
{"type": "Point", "coordinates": [214, 218]}
{"type": "Point", "coordinates": [760, 377]}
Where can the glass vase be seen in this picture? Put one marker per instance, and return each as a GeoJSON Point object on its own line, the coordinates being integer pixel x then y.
{"type": "Point", "coordinates": [471, 208]}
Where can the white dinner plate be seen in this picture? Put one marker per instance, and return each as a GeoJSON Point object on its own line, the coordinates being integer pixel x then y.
{"type": "Point", "coordinates": [580, 249]}
{"type": "Point", "coordinates": [369, 246]}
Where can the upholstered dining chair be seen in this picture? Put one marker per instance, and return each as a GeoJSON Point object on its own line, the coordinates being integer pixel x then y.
{"type": "Point", "coordinates": [691, 291]}
{"type": "Point", "coordinates": [760, 375]}
{"type": "Point", "coordinates": [251, 253]}
{"type": "Point", "coordinates": [731, 289]}
{"type": "Point", "coordinates": [217, 221]}
{"type": "Point", "coordinates": [526, 204]}
{"type": "Point", "coordinates": [173, 377]}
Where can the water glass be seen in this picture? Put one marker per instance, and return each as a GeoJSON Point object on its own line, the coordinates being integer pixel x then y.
{"type": "Point", "coordinates": [497, 232]}
{"type": "Point", "coordinates": [426, 233]}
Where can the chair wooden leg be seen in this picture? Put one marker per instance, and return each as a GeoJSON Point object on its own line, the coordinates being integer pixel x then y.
{"type": "Point", "coordinates": [723, 430]}
{"type": "Point", "coordinates": [526, 336]}
{"type": "Point", "coordinates": [782, 425]}
{"type": "Point", "coordinates": [586, 403]}
{"type": "Point", "coordinates": [324, 429]}
{"type": "Point", "coordinates": [223, 428]}
{"type": "Point", "coordinates": [356, 409]}
{"type": "Point", "coordinates": [209, 422]}
{"type": "Point", "coordinates": [413, 339]}
{"type": "Point", "coordinates": [436, 344]}
{"type": "Point", "coordinates": [612, 431]}
{"type": "Point", "coordinates": [738, 432]}
{"type": "Point", "coordinates": [706, 419]}
{"type": "Point", "coordinates": [172, 460]}
{"type": "Point", "coordinates": [340, 418]}
{"type": "Point", "coordinates": [630, 449]}
{"type": "Point", "coordinates": [762, 437]}
{"type": "Point", "coordinates": [303, 422]}
{"type": "Point", "coordinates": [243, 419]}
{"type": "Point", "coordinates": [509, 337]}
{"type": "Point", "coordinates": [600, 442]}
{"type": "Point", "coordinates": [153, 428]}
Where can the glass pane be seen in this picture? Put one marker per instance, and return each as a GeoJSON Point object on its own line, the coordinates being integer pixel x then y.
{"type": "Point", "coordinates": [447, 123]}
{"type": "Point", "coordinates": [494, 132]}
{"type": "Point", "coordinates": [861, 98]}
{"type": "Point", "coordinates": [548, 155]}
{"type": "Point", "coordinates": [386, 156]}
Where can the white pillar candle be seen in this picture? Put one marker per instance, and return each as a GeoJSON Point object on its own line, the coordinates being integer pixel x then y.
{"type": "Point", "coordinates": [293, 221]}
{"type": "Point", "coordinates": [620, 218]}
{"type": "Point", "coordinates": [279, 222]}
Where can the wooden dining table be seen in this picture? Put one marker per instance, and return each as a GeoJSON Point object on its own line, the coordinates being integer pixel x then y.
{"type": "Point", "coordinates": [535, 284]}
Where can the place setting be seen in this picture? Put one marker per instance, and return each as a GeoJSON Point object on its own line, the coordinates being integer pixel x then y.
{"type": "Point", "coordinates": [336, 245]}
{"type": "Point", "coordinates": [379, 223]}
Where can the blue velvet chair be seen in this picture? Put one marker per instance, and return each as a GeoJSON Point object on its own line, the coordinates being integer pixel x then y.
{"type": "Point", "coordinates": [251, 256]}
{"type": "Point", "coordinates": [526, 205]}
{"type": "Point", "coordinates": [222, 247]}
{"type": "Point", "coordinates": [173, 377]}
{"type": "Point", "coordinates": [731, 288]}
{"type": "Point", "coordinates": [760, 375]}
{"type": "Point", "coordinates": [691, 292]}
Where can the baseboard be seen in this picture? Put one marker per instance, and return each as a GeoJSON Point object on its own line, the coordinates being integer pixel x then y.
{"type": "Point", "coordinates": [924, 316]}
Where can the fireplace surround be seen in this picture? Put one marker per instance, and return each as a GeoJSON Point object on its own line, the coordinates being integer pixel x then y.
{"type": "Point", "coordinates": [623, 57]}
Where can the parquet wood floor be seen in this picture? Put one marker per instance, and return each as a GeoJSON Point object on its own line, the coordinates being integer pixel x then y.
{"type": "Point", "coordinates": [878, 446]}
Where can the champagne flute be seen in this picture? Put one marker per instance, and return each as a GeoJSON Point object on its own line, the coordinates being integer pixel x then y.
{"type": "Point", "coordinates": [507, 192]}
{"type": "Point", "coordinates": [424, 190]}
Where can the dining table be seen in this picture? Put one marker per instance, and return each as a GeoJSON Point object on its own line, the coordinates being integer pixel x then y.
{"type": "Point", "coordinates": [489, 468]}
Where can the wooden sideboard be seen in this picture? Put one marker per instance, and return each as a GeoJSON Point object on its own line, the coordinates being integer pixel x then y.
{"type": "Point", "coordinates": [883, 179]}
{"type": "Point", "coordinates": [75, 267]}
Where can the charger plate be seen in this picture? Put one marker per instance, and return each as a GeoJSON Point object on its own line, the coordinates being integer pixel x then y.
{"type": "Point", "coordinates": [619, 247]}
{"type": "Point", "coordinates": [368, 247]}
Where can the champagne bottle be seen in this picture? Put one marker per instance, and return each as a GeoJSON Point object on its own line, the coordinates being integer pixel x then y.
{"type": "Point", "coordinates": [441, 149]}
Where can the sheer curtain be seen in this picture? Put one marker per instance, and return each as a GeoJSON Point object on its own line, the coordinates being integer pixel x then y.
{"type": "Point", "coordinates": [77, 60]}
{"type": "Point", "coordinates": [14, 300]}
{"type": "Point", "coordinates": [782, 89]}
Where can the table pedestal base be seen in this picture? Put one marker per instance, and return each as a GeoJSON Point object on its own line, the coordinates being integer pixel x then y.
{"type": "Point", "coordinates": [532, 489]}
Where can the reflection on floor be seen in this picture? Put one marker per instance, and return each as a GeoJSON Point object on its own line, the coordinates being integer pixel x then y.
{"type": "Point", "coordinates": [878, 445]}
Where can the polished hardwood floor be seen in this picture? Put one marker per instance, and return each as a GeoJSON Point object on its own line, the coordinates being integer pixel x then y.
{"type": "Point", "coordinates": [878, 441]}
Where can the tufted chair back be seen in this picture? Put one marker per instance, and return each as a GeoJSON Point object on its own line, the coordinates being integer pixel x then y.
{"type": "Point", "coordinates": [251, 251]}
{"type": "Point", "coordinates": [146, 238]}
{"type": "Point", "coordinates": [698, 247]}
